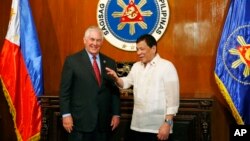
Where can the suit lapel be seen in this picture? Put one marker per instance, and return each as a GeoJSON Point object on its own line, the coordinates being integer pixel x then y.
{"type": "Point", "coordinates": [88, 64]}
{"type": "Point", "coordinates": [103, 65]}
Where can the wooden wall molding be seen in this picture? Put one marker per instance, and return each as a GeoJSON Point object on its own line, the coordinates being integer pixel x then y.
{"type": "Point", "coordinates": [192, 123]}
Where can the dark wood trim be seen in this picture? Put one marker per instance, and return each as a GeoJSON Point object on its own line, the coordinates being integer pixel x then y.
{"type": "Point", "coordinates": [192, 123]}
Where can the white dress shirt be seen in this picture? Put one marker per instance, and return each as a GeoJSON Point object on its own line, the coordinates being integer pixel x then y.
{"type": "Point", "coordinates": [156, 93]}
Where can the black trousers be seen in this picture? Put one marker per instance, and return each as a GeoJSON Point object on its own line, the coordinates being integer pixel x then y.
{"type": "Point", "coordinates": [96, 135]}
{"type": "Point", "coordinates": [143, 136]}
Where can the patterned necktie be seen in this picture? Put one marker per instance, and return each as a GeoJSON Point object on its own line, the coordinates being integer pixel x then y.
{"type": "Point", "coordinates": [97, 71]}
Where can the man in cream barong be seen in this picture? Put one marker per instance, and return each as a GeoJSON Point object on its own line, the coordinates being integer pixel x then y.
{"type": "Point", "coordinates": [156, 92]}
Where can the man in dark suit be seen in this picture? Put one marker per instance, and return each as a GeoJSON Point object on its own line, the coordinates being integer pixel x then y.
{"type": "Point", "coordinates": [90, 107]}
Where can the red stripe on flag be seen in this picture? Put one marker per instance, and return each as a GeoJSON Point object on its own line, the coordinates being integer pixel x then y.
{"type": "Point", "coordinates": [19, 92]}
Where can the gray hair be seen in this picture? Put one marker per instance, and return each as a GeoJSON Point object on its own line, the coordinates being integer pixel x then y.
{"type": "Point", "coordinates": [91, 29]}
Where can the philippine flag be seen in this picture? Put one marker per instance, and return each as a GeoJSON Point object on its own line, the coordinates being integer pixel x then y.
{"type": "Point", "coordinates": [21, 72]}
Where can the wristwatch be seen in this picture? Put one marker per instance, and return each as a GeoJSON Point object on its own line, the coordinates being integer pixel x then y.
{"type": "Point", "coordinates": [169, 122]}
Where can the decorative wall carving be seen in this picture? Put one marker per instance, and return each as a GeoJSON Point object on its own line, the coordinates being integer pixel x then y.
{"type": "Point", "coordinates": [192, 123]}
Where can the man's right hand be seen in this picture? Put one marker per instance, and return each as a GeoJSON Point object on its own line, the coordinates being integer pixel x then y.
{"type": "Point", "coordinates": [68, 123]}
{"type": "Point", "coordinates": [114, 76]}
{"type": "Point", "coordinates": [111, 73]}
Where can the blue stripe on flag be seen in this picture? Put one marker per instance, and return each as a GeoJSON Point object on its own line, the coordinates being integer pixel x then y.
{"type": "Point", "coordinates": [30, 47]}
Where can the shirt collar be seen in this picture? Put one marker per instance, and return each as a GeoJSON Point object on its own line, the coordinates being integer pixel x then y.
{"type": "Point", "coordinates": [154, 60]}
{"type": "Point", "coordinates": [91, 56]}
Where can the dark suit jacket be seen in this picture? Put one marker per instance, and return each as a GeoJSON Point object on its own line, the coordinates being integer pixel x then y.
{"type": "Point", "coordinates": [81, 96]}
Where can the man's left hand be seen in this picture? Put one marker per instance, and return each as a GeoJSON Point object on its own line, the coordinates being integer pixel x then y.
{"type": "Point", "coordinates": [115, 122]}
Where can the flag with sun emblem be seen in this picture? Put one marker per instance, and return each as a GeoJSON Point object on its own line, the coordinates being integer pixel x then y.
{"type": "Point", "coordinates": [21, 73]}
{"type": "Point", "coordinates": [232, 70]}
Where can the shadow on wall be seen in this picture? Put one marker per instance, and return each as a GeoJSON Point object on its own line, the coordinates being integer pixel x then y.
{"type": "Point", "coordinates": [7, 132]}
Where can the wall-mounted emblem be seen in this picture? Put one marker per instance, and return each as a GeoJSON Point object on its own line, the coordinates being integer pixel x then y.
{"type": "Point", "coordinates": [123, 21]}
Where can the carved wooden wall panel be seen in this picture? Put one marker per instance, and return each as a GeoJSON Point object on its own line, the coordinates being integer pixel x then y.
{"type": "Point", "coordinates": [192, 123]}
